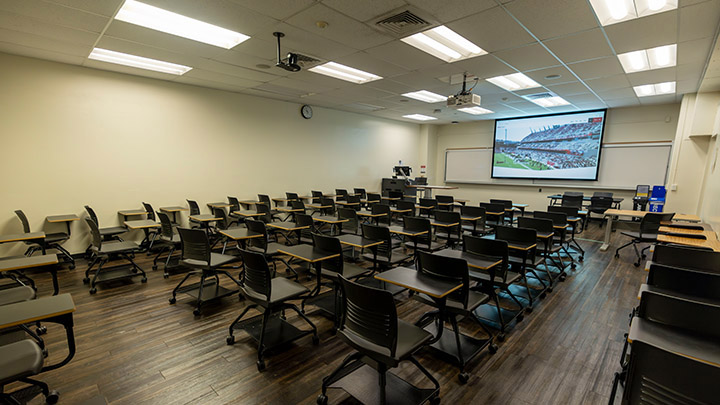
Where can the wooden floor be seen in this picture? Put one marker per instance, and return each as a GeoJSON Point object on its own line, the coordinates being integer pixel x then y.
{"type": "Point", "coordinates": [133, 347]}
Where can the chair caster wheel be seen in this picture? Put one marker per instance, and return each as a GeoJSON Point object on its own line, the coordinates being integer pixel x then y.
{"type": "Point", "coordinates": [543, 295]}
{"type": "Point", "coordinates": [563, 277]}
{"type": "Point", "coordinates": [196, 312]}
{"type": "Point", "coordinates": [154, 268]}
{"type": "Point", "coordinates": [230, 340]}
{"type": "Point", "coordinates": [643, 256]}
{"type": "Point", "coordinates": [493, 349]}
{"type": "Point", "coordinates": [573, 266]}
{"type": "Point", "coordinates": [500, 337]}
{"type": "Point", "coordinates": [143, 280]}
{"type": "Point", "coordinates": [172, 300]}
{"type": "Point", "coordinates": [260, 365]}
{"type": "Point", "coordinates": [316, 340]}
{"type": "Point", "coordinates": [636, 264]}
{"type": "Point", "coordinates": [52, 397]}
{"type": "Point", "coordinates": [529, 310]}
{"type": "Point", "coordinates": [581, 258]}
{"type": "Point", "coordinates": [435, 401]}
{"type": "Point", "coordinates": [519, 318]}
{"type": "Point", "coordinates": [549, 290]}
{"type": "Point", "coordinates": [41, 330]}
{"type": "Point", "coordinates": [322, 399]}
{"type": "Point", "coordinates": [72, 267]}
{"type": "Point", "coordinates": [44, 353]}
{"type": "Point", "coordinates": [86, 280]}
{"type": "Point", "coordinates": [463, 377]}
{"type": "Point", "coordinates": [93, 290]}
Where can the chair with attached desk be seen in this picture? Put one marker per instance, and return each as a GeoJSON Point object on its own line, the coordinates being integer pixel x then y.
{"type": "Point", "coordinates": [316, 196]}
{"type": "Point", "coordinates": [406, 209]}
{"type": "Point", "coordinates": [264, 246]}
{"type": "Point", "coordinates": [598, 205]}
{"type": "Point", "coordinates": [234, 206]}
{"type": "Point", "coordinates": [372, 198]}
{"type": "Point", "coordinates": [576, 225]}
{"type": "Point", "coordinates": [108, 233]}
{"type": "Point", "coordinates": [381, 341]}
{"type": "Point", "coordinates": [224, 223]}
{"type": "Point", "coordinates": [196, 254]}
{"type": "Point", "coordinates": [427, 207]}
{"type": "Point", "coordinates": [353, 201]}
{"type": "Point", "coordinates": [360, 192]}
{"type": "Point", "coordinates": [523, 257]}
{"type": "Point", "coordinates": [168, 241]}
{"type": "Point", "coordinates": [459, 304]}
{"type": "Point", "coordinates": [23, 358]}
{"type": "Point", "coordinates": [152, 233]}
{"type": "Point", "coordinates": [675, 355]}
{"type": "Point", "coordinates": [563, 236]}
{"type": "Point", "coordinates": [292, 196]}
{"type": "Point", "coordinates": [572, 199]}
{"type": "Point", "coordinates": [269, 295]}
{"type": "Point", "coordinates": [352, 225]}
{"type": "Point", "coordinates": [341, 194]}
{"type": "Point", "coordinates": [496, 278]}
{"type": "Point", "coordinates": [445, 202]}
{"type": "Point", "coordinates": [266, 214]}
{"type": "Point", "coordinates": [546, 233]}
{"type": "Point", "coordinates": [648, 232]}
{"type": "Point", "coordinates": [384, 209]}
{"type": "Point", "coordinates": [494, 214]}
{"type": "Point", "coordinates": [51, 241]}
{"type": "Point", "coordinates": [305, 234]}
{"type": "Point", "coordinates": [476, 222]}
{"type": "Point", "coordinates": [686, 257]}
{"type": "Point", "coordinates": [327, 202]}
{"type": "Point", "coordinates": [273, 214]}
{"type": "Point", "coordinates": [100, 253]}
{"type": "Point", "coordinates": [690, 282]}
{"type": "Point", "coordinates": [448, 226]}
{"type": "Point", "coordinates": [508, 206]}
{"type": "Point", "coordinates": [195, 210]}
{"type": "Point", "coordinates": [383, 255]}
{"type": "Point", "coordinates": [424, 241]}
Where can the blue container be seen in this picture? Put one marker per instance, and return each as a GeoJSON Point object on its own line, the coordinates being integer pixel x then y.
{"type": "Point", "coordinates": [656, 204]}
{"type": "Point", "coordinates": [658, 192]}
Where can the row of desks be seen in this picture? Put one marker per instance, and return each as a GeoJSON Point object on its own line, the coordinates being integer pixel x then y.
{"type": "Point", "coordinates": [612, 215]}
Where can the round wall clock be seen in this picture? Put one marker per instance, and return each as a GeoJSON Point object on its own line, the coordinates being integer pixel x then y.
{"type": "Point", "coordinates": [306, 112]}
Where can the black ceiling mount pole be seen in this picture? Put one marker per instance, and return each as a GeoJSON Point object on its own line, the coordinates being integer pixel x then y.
{"type": "Point", "coordinates": [279, 35]}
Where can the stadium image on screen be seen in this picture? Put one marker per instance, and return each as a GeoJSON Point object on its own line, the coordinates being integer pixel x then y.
{"type": "Point", "coordinates": [560, 146]}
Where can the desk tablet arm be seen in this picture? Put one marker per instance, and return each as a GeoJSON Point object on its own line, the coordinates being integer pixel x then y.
{"type": "Point", "coordinates": [66, 320]}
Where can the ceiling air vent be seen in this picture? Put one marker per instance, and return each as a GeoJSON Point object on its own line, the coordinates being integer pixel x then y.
{"type": "Point", "coordinates": [538, 96]}
{"type": "Point", "coordinates": [403, 23]}
{"type": "Point", "coordinates": [307, 62]}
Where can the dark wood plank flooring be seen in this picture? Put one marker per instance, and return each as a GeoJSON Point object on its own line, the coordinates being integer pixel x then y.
{"type": "Point", "coordinates": [136, 348]}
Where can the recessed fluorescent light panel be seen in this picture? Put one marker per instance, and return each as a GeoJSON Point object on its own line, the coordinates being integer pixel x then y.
{"type": "Point", "coordinates": [444, 43]}
{"type": "Point", "coordinates": [138, 62]}
{"type": "Point", "coordinates": [426, 96]}
{"type": "Point", "coordinates": [158, 19]}
{"type": "Point", "coordinates": [343, 72]}
{"type": "Point", "coordinates": [419, 117]}
{"type": "Point", "coordinates": [475, 110]}
{"type": "Point", "coordinates": [615, 11]}
{"type": "Point", "coordinates": [546, 100]}
{"type": "Point", "coordinates": [655, 89]}
{"type": "Point", "coordinates": [514, 82]}
{"type": "Point", "coordinates": [648, 59]}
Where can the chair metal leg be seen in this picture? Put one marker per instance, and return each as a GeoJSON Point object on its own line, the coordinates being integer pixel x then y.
{"type": "Point", "coordinates": [261, 347]}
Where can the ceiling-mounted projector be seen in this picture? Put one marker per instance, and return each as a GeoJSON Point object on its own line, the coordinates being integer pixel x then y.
{"type": "Point", "coordinates": [464, 98]}
{"type": "Point", "coordinates": [290, 62]}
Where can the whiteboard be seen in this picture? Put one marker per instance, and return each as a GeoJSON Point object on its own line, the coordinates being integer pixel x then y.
{"type": "Point", "coordinates": [622, 166]}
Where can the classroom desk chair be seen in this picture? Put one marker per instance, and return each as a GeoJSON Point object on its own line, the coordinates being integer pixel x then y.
{"type": "Point", "coordinates": [381, 341]}
{"type": "Point", "coordinates": [508, 206]}
{"type": "Point", "coordinates": [551, 251]}
{"type": "Point", "coordinates": [316, 196]}
{"type": "Point", "coordinates": [108, 233]}
{"type": "Point", "coordinates": [51, 241]}
{"type": "Point", "coordinates": [360, 192]}
{"type": "Point", "coordinates": [269, 295]}
{"type": "Point", "coordinates": [524, 258]}
{"type": "Point", "coordinates": [305, 234]}
{"type": "Point", "coordinates": [264, 246]}
{"type": "Point", "coordinates": [598, 205]}
{"type": "Point", "coordinates": [100, 253]}
{"type": "Point", "coordinates": [686, 257]}
{"type": "Point", "coordinates": [352, 225]}
{"type": "Point", "coordinates": [494, 214]}
{"type": "Point", "coordinates": [168, 241]}
{"type": "Point", "coordinates": [424, 239]}
{"type": "Point", "coordinates": [564, 234]}
{"type": "Point", "coordinates": [150, 233]}
{"type": "Point", "coordinates": [384, 255]}
{"type": "Point", "coordinates": [647, 233]}
{"type": "Point", "coordinates": [341, 194]}
{"type": "Point", "coordinates": [473, 220]}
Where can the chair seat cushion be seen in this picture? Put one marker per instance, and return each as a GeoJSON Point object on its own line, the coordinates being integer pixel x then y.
{"type": "Point", "coordinates": [481, 275]}
{"type": "Point", "coordinates": [19, 359]}
{"type": "Point", "coordinates": [434, 246]}
{"type": "Point", "coordinates": [396, 257]}
{"type": "Point", "coordinates": [113, 230]}
{"type": "Point", "coordinates": [16, 294]}
{"type": "Point", "coordinates": [175, 238]}
{"type": "Point", "coordinates": [650, 237]}
{"type": "Point", "coordinates": [350, 271]}
{"type": "Point", "coordinates": [216, 260]}
{"type": "Point", "coordinates": [284, 289]}
{"type": "Point", "coordinates": [475, 299]}
{"type": "Point", "coordinates": [56, 237]}
{"type": "Point", "coordinates": [118, 247]}
{"type": "Point", "coordinates": [409, 339]}
{"type": "Point", "coordinates": [531, 261]}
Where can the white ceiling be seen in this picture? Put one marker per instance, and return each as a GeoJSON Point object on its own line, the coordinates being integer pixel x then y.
{"type": "Point", "coordinates": [537, 37]}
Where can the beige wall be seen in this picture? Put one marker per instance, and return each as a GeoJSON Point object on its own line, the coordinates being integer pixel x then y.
{"type": "Point", "coordinates": [73, 136]}
{"type": "Point", "coordinates": [711, 193]}
{"type": "Point", "coordinates": [632, 124]}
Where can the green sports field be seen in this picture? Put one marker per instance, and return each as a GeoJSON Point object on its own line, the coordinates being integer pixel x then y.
{"type": "Point", "coordinates": [503, 160]}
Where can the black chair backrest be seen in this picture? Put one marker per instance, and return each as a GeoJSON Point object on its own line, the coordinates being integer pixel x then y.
{"type": "Point", "coordinates": [539, 224]}
{"type": "Point", "coordinates": [602, 194]}
{"type": "Point", "coordinates": [368, 314]}
{"type": "Point", "coordinates": [234, 204]}
{"type": "Point", "coordinates": [258, 278]}
{"type": "Point", "coordinates": [330, 244]}
{"type": "Point", "coordinates": [493, 207]}
{"type": "Point", "coordinates": [558, 218]}
{"type": "Point", "coordinates": [687, 314]}
{"type": "Point", "coordinates": [381, 209]}
{"type": "Point", "coordinates": [341, 194]}
{"type": "Point", "coordinates": [687, 258]}
{"type": "Point", "coordinates": [572, 200]}
{"type": "Point", "coordinates": [505, 203]}
{"type": "Point", "coordinates": [695, 283]}
{"type": "Point", "coordinates": [448, 216]}
{"type": "Point", "coordinates": [265, 210]}
{"type": "Point", "coordinates": [652, 221]}
{"type": "Point", "coordinates": [470, 211]}
{"type": "Point", "coordinates": [568, 211]}
{"type": "Point", "coordinates": [194, 207]}
{"type": "Point", "coordinates": [573, 193]}
{"type": "Point", "coordinates": [521, 235]}
{"type": "Point", "coordinates": [265, 200]}
{"type": "Point", "coordinates": [406, 205]}
{"type": "Point", "coordinates": [395, 194]}
{"type": "Point", "coordinates": [150, 211]}
{"type": "Point", "coordinates": [195, 245]}
{"type": "Point", "coordinates": [373, 198]}
{"type": "Point", "coordinates": [298, 205]}
{"type": "Point", "coordinates": [680, 379]}
{"type": "Point", "coordinates": [316, 196]}
{"type": "Point", "coordinates": [257, 227]}
{"type": "Point", "coordinates": [429, 202]}
{"type": "Point", "coordinates": [223, 222]}
{"type": "Point", "coordinates": [360, 192]}
{"type": "Point", "coordinates": [166, 228]}
{"type": "Point", "coordinates": [600, 202]}
{"type": "Point", "coordinates": [95, 238]}
{"type": "Point", "coordinates": [445, 199]}
{"type": "Point", "coordinates": [328, 202]}
{"type": "Point", "coordinates": [380, 234]}
{"type": "Point", "coordinates": [352, 224]}
{"type": "Point", "coordinates": [353, 199]}
{"type": "Point", "coordinates": [91, 213]}
{"type": "Point", "coordinates": [489, 247]}
{"type": "Point", "coordinates": [304, 220]}
{"type": "Point", "coordinates": [292, 196]}
{"type": "Point", "coordinates": [447, 268]}
{"type": "Point", "coordinates": [23, 220]}
{"type": "Point", "coordinates": [419, 224]}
